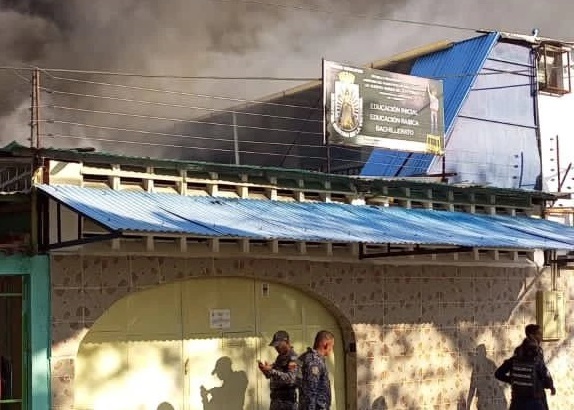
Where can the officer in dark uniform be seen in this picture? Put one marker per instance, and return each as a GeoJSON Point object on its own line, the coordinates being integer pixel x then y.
{"type": "Point", "coordinates": [282, 374]}
{"type": "Point", "coordinates": [314, 384]}
{"type": "Point", "coordinates": [528, 376]}
{"type": "Point", "coordinates": [533, 333]}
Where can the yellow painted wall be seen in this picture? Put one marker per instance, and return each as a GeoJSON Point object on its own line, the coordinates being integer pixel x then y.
{"type": "Point", "coordinates": [156, 348]}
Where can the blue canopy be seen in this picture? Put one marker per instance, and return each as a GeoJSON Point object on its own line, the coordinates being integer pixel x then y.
{"type": "Point", "coordinates": [216, 217]}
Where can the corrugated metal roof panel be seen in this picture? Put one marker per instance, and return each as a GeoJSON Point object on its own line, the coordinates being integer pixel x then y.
{"type": "Point", "coordinates": [458, 67]}
{"type": "Point", "coordinates": [127, 211]}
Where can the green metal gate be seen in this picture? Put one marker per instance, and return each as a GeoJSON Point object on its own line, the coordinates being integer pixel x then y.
{"type": "Point", "coordinates": [13, 343]}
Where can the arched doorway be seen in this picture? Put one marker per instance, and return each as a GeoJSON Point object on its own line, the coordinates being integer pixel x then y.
{"type": "Point", "coordinates": [172, 344]}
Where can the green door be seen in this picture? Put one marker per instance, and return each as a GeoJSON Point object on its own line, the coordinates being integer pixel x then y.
{"type": "Point", "coordinates": [13, 343]}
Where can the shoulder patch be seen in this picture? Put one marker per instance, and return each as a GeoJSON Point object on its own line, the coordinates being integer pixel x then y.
{"type": "Point", "coordinates": [315, 370]}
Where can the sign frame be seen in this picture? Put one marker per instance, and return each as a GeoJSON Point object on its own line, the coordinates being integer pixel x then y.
{"type": "Point", "coordinates": [382, 109]}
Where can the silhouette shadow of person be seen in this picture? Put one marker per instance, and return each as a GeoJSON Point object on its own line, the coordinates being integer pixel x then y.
{"type": "Point", "coordinates": [165, 406]}
{"type": "Point", "coordinates": [488, 391]}
{"type": "Point", "coordinates": [379, 404]}
{"type": "Point", "coordinates": [231, 394]}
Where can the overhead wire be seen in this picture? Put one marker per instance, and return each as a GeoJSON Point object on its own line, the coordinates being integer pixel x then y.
{"type": "Point", "coordinates": [339, 160]}
{"type": "Point", "coordinates": [231, 151]}
{"type": "Point", "coordinates": [164, 134]}
{"type": "Point", "coordinates": [352, 15]}
{"type": "Point", "coordinates": [115, 141]}
{"type": "Point", "coordinates": [213, 138]}
{"type": "Point", "coordinates": [20, 76]}
{"type": "Point", "coordinates": [180, 93]}
{"type": "Point", "coordinates": [189, 121]}
{"type": "Point", "coordinates": [171, 105]}
{"type": "Point", "coordinates": [160, 76]}
{"type": "Point", "coordinates": [48, 71]}
{"type": "Point", "coordinates": [216, 97]}
{"type": "Point", "coordinates": [186, 136]}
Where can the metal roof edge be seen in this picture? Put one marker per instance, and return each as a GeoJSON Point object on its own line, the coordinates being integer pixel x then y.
{"type": "Point", "coordinates": [377, 64]}
{"type": "Point", "coordinates": [495, 38]}
{"type": "Point", "coordinates": [527, 38]}
{"type": "Point", "coordinates": [257, 219]}
{"type": "Point", "coordinates": [412, 54]}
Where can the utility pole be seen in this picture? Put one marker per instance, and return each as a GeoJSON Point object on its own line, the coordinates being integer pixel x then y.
{"type": "Point", "coordinates": [35, 110]}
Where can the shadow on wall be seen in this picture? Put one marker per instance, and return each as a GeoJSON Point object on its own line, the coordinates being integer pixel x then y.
{"type": "Point", "coordinates": [488, 391]}
{"type": "Point", "coordinates": [379, 404]}
{"type": "Point", "coordinates": [165, 406]}
{"type": "Point", "coordinates": [231, 394]}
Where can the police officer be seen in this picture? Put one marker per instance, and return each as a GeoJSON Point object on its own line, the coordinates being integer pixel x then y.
{"type": "Point", "coordinates": [528, 377]}
{"type": "Point", "coordinates": [315, 386]}
{"type": "Point", "coordinates": [282, 374]}
{"type": "Point", "coordinates": [533, 333]}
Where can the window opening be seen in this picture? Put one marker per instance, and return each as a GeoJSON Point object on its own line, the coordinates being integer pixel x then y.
{"type": "Point", "coordinates": [554, 69]}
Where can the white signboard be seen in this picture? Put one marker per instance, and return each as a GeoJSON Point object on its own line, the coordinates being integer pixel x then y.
{"type": "Point", "coordinates": [219, 318]}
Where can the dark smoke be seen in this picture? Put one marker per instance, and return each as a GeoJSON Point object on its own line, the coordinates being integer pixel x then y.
{"type": "Point", "coordinates": [218, 37]}
{"type": "Point", "coordinates": [179, 37]}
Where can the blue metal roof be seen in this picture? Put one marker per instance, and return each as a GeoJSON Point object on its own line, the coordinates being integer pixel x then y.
{"type": "Point", "coordinates": [128, 211]}
{"type": "Point", "coordinates": [458, 67]}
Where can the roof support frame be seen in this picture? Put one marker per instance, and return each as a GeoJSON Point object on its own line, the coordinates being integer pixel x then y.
{"type": "Point", "coordinates": [45, 244]}
{"type": "Point", "coordinates": [418, 250]}
{"type": "Point", "coordinates": [81, 241]}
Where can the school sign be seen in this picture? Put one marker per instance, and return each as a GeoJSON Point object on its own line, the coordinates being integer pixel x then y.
{"type": "Point", "coordinates": [367, 107]}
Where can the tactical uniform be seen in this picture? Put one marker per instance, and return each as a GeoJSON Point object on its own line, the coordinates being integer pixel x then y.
{"type": "Point", "coordinates": [314, 384]}
{"type": "Point", "coordinates": [528, 377]}
{"type": "Point", "coordinates": [527, 343]}
{"type": "Point", "coordinates": [283, 378]}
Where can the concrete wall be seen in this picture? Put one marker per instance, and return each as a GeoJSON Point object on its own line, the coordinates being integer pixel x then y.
{"type": "Point", "coordinates": [427, 337]}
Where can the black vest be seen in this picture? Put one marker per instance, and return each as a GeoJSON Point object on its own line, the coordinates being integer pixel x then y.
{"type": "Point", "coordinates": [524, 379]}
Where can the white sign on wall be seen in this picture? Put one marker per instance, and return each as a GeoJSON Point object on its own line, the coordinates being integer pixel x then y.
{"type": "Point", "coordinates": [219, 318]}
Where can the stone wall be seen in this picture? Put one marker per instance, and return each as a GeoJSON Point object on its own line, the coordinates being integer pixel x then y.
{"type": "Point", "coordinates": [427, 337]}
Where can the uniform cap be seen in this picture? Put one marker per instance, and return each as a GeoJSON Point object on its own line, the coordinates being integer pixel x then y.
{"type": "Point", "coordinates": [278, 337]}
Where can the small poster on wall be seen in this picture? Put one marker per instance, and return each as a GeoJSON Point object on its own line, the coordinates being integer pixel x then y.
{"type": "Point", "coordinates": [219, 318]}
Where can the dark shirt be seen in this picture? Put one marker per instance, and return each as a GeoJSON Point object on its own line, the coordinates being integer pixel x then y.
{"type": "Point", "coordinates": [283, 377]}
{"type": "Point", "coordinates": [519, 351]}
{"type": "Point", "coordinates": [315, 386]}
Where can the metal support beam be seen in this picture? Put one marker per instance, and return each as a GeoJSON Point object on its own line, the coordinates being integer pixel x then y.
{"type": "Point", "coordinates": [82, 241]}
{"type": "Point", "coordinates": [416, 251]}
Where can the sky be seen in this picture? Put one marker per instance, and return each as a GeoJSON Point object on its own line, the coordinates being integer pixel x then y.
{"type": "Point", "coordinates": [248, 38]}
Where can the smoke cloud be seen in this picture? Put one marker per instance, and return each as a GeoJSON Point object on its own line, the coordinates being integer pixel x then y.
{"type": "Point", "coordinates": [177, 37]}
{"type": "Point", "coordinates": [212, 37]}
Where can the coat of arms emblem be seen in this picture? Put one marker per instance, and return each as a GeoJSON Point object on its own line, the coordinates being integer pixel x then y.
{"type": "Point", "coordinates": [346, 106]}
